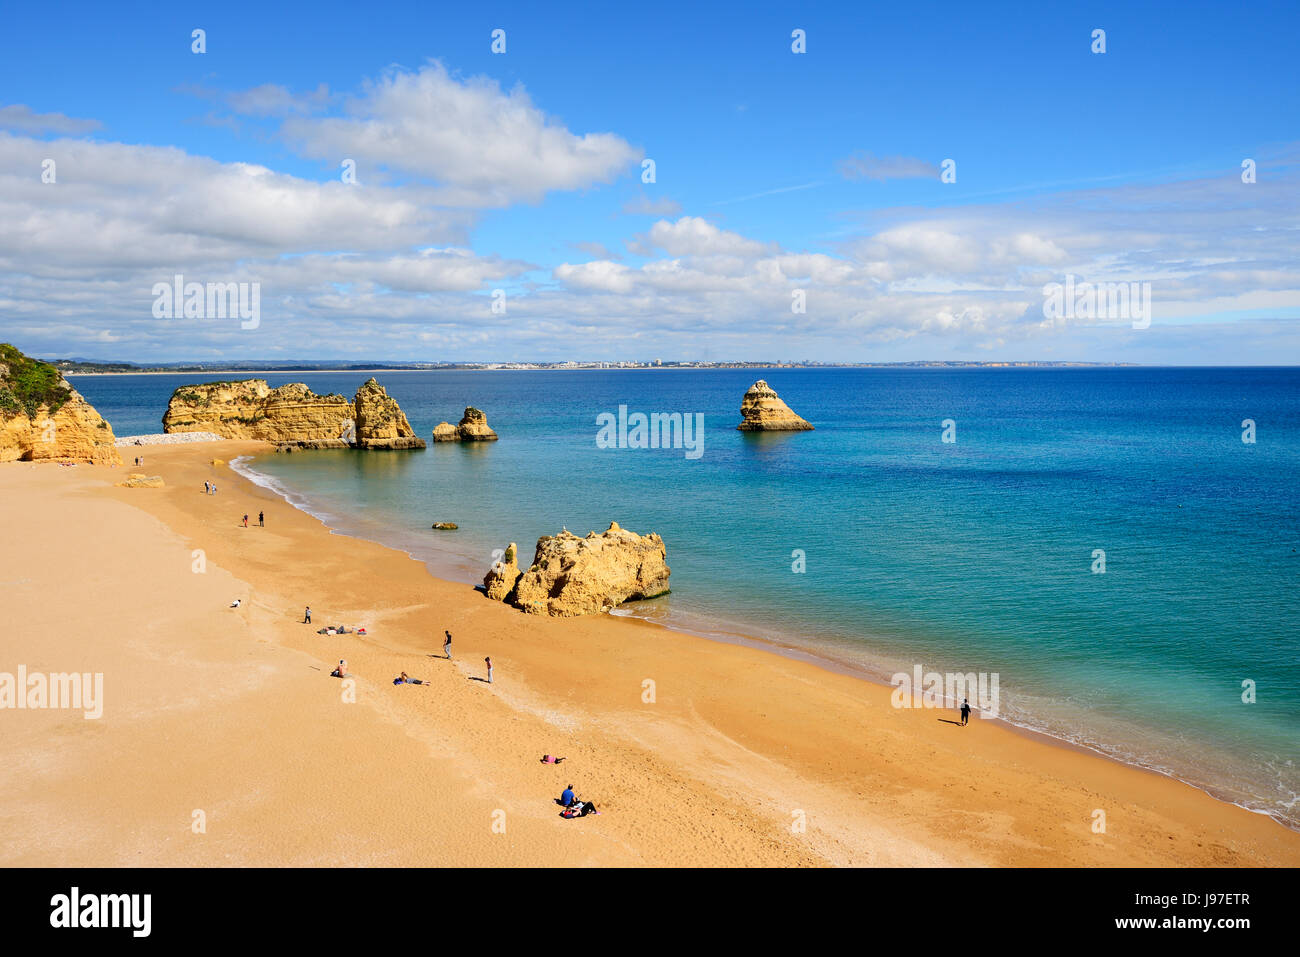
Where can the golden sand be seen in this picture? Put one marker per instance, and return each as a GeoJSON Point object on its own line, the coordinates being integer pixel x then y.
{"type": "Point", "coordinates": [228, 717]}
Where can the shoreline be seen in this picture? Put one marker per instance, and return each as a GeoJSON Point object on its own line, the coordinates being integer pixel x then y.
{"type": "Point", "coordinates": [738, 738]}
{"type": "Point", "coordinates": [876, 674]}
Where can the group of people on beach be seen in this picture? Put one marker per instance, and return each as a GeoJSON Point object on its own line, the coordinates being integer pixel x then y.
{"type": "Point", "coordinates": [403, 678]}
{"type": "Point", "coordinates": [209, 488]}
{"type": "Point", "coordinates": [570, 805]}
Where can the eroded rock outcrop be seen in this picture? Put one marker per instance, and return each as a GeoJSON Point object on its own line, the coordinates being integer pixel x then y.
{"type": "Point", "coordinates": [140, 480]}
{"type": "Point", "coordinates": [42, 418]}
{"type": "Point", "coordinates": [579, 576]}
{"type": "Point", "coordinates": [292, 416]}
{"type": "Point", "coordinates": [500, 581]}
{"type": "Point", "coordinates": [764, 411]}
{"type": "Point", "coordinates": [380, 422]}
{"type": "Point", "coordinates": [473, 427]}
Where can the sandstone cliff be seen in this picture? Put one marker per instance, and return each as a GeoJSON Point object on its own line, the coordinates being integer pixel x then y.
{"type": "Point", "coordinates": [578, 576]}
{"type": "Point", "coordinates": [42, 418]}
{"type": "Point", "coordinates": [473, 427]}
{"type": "Point", "coordinates": [763, 411]}
{"type": "Point", "coordinates": [292, 415]}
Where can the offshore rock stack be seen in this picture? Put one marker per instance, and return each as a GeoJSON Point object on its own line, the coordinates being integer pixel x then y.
{"type": "Point", "coordinates": [763, 411]}
{"type": "Point", "coordinates": [473, 427]}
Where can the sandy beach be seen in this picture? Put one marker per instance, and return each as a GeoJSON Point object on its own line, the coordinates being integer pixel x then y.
{"type": "Point", "coordinates": [228, 716]}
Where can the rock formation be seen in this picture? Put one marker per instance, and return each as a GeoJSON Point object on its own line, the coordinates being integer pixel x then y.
{"type": "Point", "coordinates": [43, 418]}
{"type": "Point", "coordinates": [578, 576]}
{"type": "Point", "coordinates": [140, 480]}
{"type": "Point", "coordinates": [380, 422]}
{"type": "Point", "coordinates": [500, 581]}
{"type": "Point", "coordinates": [292, 416]}
{"type": "Point", "coordinates": [473, 427]}
{"type": "Point", "coordinates": [763, 411]}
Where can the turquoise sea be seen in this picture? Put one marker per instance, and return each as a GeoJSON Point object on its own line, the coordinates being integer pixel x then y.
{"type": "Point", "coordinates": [970, 556]}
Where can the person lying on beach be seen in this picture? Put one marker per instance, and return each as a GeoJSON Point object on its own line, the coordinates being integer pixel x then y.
{"type": "Point", "coordinates": [579, 809]}
{"type": "Point", "coordinates": [235, 603]}
{"type": "Point", "coordinates": [404, 679]}
{"type": "Point", "coordinates": [547, 759]}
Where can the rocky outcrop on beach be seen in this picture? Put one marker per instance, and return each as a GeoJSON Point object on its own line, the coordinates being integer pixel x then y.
{"type": "Point", "coordinates": [500, 581]}
{"type": "Point", "coordinates": [43, 418]}
{"type": "Point", "coordinates": [140, 480]}
{"type": "Point", "coordinates": [380, 422]}
{"type": "Point", "coordinates": [580, 576]}
{"type": "Point", "coordinates": [473, 427]}
{"type": "Point", "coordinates": [292, 416]}
{"type": "Point", "coordinates": [763, 411]}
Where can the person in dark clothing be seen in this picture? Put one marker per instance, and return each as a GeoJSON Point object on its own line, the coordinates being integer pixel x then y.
{"type": "Point", "coordinates": [965, 711]}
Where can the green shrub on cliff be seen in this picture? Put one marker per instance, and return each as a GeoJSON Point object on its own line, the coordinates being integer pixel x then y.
{"type": "Point", "coordinates": [26, 384]}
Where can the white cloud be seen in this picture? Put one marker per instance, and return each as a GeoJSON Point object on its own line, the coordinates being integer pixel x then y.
{"type": "Point", "coordinates": [479, 146]}
{"type": "Point", "coordinates": [22, 119]}
{"type": "Point", "coordinates": [693, 236]}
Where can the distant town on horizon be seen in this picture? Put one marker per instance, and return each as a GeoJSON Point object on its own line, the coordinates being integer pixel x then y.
{"type": "Point", "coordinates": [93, 367]}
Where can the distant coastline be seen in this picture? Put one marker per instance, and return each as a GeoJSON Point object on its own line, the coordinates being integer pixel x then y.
{"type": "Point", "coordinates": [79, 367]}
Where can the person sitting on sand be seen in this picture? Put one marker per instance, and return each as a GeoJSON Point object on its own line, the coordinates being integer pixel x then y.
{"type": "Point", "coordinates": [341, 671]}
{"type": "Point", "coordinates": [547, 759]}
{"type": "Point", "coordinates": [567, 798]}
{"type": "Point", "coordinates": [236, 603]}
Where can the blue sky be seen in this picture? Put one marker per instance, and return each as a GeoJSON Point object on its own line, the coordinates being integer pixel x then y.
{"type": "Point", "coordinates": [775, 171]}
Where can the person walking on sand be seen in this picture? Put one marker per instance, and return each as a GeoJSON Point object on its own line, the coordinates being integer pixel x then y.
{"type": "Point", "coordinates": [261, 519]}
{"type": "Point", "coordinates": [965, 711]}
{"type": "Point", "coordinates": [446, 646]}
{"type": "Point", "coordinates": [489, 664]}
{"type": "Point", "coordinates": [245, 521]}
{"type": "Point", "coordinates": [306, 616]}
